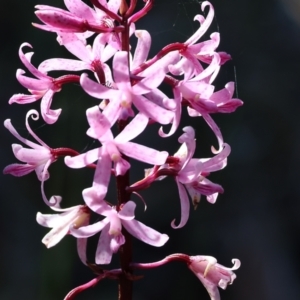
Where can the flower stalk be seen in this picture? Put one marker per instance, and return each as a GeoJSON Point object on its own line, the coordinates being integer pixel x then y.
{"type": "Point", "coordinates": [126, 87]}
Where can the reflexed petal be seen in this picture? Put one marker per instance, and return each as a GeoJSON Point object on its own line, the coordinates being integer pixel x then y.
{"type": "Point", "coordinates": [142, 48]}
{"type": "Point", "coordinates": [203, 25]}
{"type": "Point", "coordinates": [185, 206]}
{"type": "Point", "coordinates": [32, 83]}
{"type": "Point", "coordinates": [50, 116]}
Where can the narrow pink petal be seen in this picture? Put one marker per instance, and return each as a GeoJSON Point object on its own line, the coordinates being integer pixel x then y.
{"type": "Point", "coordinates": [93, 201]}
{"type": "Point", "coordinates": [97, 90]}
{"type": "Point", "coordinates": [121, 167]}
{"type": "Point", "coordinates": [150, 82]}
{"type": "Point", "coordinates": [23, 99]}
{"type": "Point", "coordinates": [54, 64]}
{"type": "Point", "coordinates": [89, 230]}
{"type": "Point", "coordinates": [97, 121]}
{"type": "Point", "coordinates": [153, 111]}
{"type": "Point", "coordinates": [204, 25]}
{"type": "Point", "coordinates": [142, 48]}
{"type": "Point", "coordinates": [217, 162]}
{"type": "Point", "coordinates": [127, 211]}
{"type": "Point", "coordinates": [32, 83]}
{"type": "Point", "coordinates": [206, 47]}
{"type": "Point", "coordinates": [18, 170]}
{"type": "Point", "coordinates": [212, 69]}
{"type": "Point", "coordinates": [114, 5]}
{"type": "Point", "coordinates": [78, 48]}
{"type": "Point", "coordinates": [211, 288]}
{"type": "Point", "coordinates": [26, 61]}
{"type": "Point", "coordinates": [81, 250]}
{"type": "Point", "coordinates": [31, 156]}
{"type": "Point", "coordinates": [98, 47]}
{"type": "Point", "coordinates": [143, 153]}
{"type": "Point", "coordinates": [121, 71]}
{"type": "Point", "coordinates": [133, 129]}
{"type": "Point", "coordinates": [145, 233]}
{"type": "Point", "coordinates": [112, 111]}
{"type": "Point", "coordinates": [185, 206]}
{"type": "Point", "coordinates": [211, 123]}
{"type": "Point", "coordinates": [104, 252]}
{"type": "Point", "coordinates": [54, 236]}
{"type": "Point", "coordinates": [49, 220]}
{"type": "Point", "coordinates": [177, 115]}
{"type": "Point", "coordinates": [50, 116]}
{"type": "Point", "coordinates": [102, 175]}
{"type": "Point", "coordinates": [80, 9]}
{"type": "Point", "coordinates": [12, 130]}
{"type": "Point", "coordinates": [83, 159]}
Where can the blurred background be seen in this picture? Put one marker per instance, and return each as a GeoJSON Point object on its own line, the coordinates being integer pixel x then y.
{"type": "Point", "coordinates": [257, 219]}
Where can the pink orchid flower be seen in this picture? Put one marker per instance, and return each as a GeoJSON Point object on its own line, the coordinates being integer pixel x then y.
{"type": "Point", "coordinates": [80, 17]}
{"type": "Point", "coordinates": [125, 94]}
{"type": "Point", "coordinates": [91, 58]}
{"type": "Point", "coordinates": [44, 87]}
{"type": "Point", "coordinates": [112, 148]}
{"type": "Point", "coordinates": [75, 217]}
{"type": "Point", "coordinates": [213, 275]}
{"type": "Point", "coordinates": [111, 237]}
{"type": "Point", "coordinates": [192, 172]}
{"type": "Point", "coordinates": [37, 159]}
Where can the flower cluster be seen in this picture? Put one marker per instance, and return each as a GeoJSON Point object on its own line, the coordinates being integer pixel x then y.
{"type": "Point", "coordinates": [126, 88]}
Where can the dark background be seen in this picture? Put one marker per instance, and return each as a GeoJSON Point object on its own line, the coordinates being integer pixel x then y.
{"type": "Point", "coordinates": [257, 219]}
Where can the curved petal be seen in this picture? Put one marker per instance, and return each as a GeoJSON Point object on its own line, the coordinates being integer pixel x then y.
{"type": "Point", "coordinates": [32, 83]}
{"type": "Point", "coordinates": [83, 159]}
{"type": "Point", "coordinates": [50, 116]}
{"type": "Point", "coordinates": [25, 58]}
{"type": "Point", "coordinates": [145, 233]}
{"type": "Point", "coordinates": [142, 48]}
{"type": "Point", "coordinates": [185, 206]}
{"type": "Point", "coordinates": [204, 25]}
